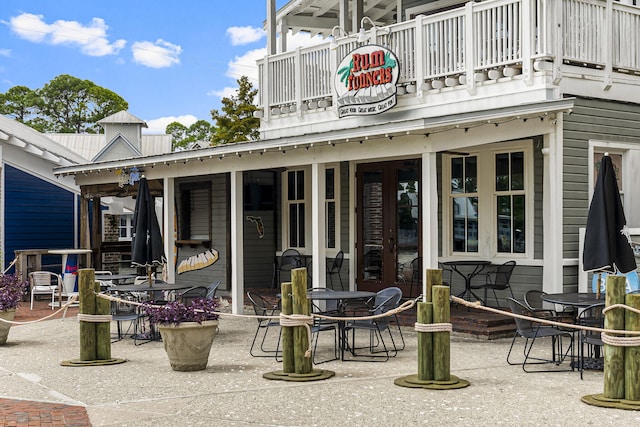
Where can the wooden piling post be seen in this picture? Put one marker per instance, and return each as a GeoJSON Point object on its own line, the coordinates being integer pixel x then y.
{"type": "Point", "coordinates": [288, 365]}
{"type": "Point", "coordinates": [301, 305]}
{"type": "Point", "coordinates": [86, 280]}
{"type": "Point", "coordinates": [632, 354]}
{"type": "Point", "coordinates": [613, 355]}
{"type": "Point", "coordinates": [441, 340]}
{"type": "Point", "coordinates": [425, 342]}
{"type": "Point", "coordinates": [103, 329]}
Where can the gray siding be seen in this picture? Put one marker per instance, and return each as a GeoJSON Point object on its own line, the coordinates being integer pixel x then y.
{"type": "Point", "coordinates": [590, 120]}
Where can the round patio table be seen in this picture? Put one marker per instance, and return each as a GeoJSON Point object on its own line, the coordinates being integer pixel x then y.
{"type": "Point", "coordinates": [573, 299]}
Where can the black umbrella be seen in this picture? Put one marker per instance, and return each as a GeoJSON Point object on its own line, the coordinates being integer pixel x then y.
{"type": "Point", "coordinates": [607, 245]}
{"type": "Point", "coordinates": [146, 245]}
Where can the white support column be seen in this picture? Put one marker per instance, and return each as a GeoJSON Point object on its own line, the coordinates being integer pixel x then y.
{"type": "Point", "coordinates": [318, 221]}
{"type": "Point", "coordinates": [237, 246]}
{"type": "Point", "coordinates": [357, 12]}
{"type": "Point", "coordinates": [429, 196]}
{"type": "Point", "coordinates": [552, 209]}
{"type": "Point", "coordinates": [351, 284]}
{"type": "Point", "coordinates": [169, 226]}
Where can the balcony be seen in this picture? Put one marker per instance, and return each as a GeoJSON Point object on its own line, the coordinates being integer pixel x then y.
{"type": "Point", "coordinates": [490, 54]}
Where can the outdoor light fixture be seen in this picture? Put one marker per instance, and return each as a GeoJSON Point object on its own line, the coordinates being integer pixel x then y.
{"type": "Point", "coordinates": [333, 45]}
{"type": "Point", "coordinates": [362, 37]}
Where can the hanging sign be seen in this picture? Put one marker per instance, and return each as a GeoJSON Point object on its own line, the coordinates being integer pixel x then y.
{"type": "Point", "coordinates": [365, 82]}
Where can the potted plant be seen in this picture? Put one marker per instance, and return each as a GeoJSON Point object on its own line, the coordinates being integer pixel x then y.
{"type": "Point", "coordinates": [187, 331]}
{"type": "Point", "coordinates": [12, 291]}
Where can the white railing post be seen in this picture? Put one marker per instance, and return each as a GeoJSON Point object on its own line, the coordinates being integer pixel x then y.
{"type": "Point", "coordinates": [526, 39]}
{"type": "Point", "coordinates": [555, 27]}
{"type": "Point", "coordinates": [264, 87]}
{"type": "Point", "coordinates": [607, 46]}
{"type": "Point", "coordinates": [333, 65]}
{"type": "Point", "coordinates": [419, 56]}
{"type": "Point", "coordinates": [469, 54]}
{"type": "Point", "coordinates": [298, 84]}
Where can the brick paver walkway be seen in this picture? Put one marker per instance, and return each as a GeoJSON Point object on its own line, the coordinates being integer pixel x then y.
{"type": "Point", "coordinates": [19, 413]}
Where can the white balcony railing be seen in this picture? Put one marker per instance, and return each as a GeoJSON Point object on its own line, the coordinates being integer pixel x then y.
{"type": "Point", "coordinates": [467, 44]}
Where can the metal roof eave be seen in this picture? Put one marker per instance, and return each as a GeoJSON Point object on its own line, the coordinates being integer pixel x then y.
{"type": "Point", "coordinates": [390, 128]}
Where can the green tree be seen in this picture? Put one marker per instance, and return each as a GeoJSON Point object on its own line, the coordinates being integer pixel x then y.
{"type": "Point", "coordinates": [65, 104]}
{"type": "Point", "coordinates": [236, 122]}
{"type": "Point", "coordinates": [201, 130]}
{"type": "Point", "coordinates": [20, 103]}
{"type": "Point", "coordinates": [72, 105]}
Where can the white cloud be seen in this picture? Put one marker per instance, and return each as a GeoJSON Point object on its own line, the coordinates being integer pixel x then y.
{"type": "Point", "coordinates": [158, 54]}
{"type": "Point", "coordinates": [91, 39]}
{"type": "Point", "coordinates": [5, 52]}
{"type": "Point", "coordinates": [227, 92]}
{"type": "Point", "coordinates": [245, 65]}
{"type": "Point", "coordinates": [158, 126]}
{"type": "Point", "coordinates": [244, 35]}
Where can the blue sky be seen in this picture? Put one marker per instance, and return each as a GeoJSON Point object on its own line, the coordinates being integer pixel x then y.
{"type": "Point", "coordinates": [169, 60]}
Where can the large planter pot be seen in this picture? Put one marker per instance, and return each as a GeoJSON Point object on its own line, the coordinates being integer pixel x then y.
{"type": "Point", "coordinates": [4, 327]}
{"type": "Point", "coordinates": [188, 344]}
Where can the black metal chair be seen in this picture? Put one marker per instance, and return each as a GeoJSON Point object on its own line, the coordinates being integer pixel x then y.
{"type": "Point", "coordinates": [334, 269]}
{"type": "Point", "coordinates": [324, 325]}
{"type": "Point", "coordinates": [497, 279]}
{"type": "Point", "coordinates": [263, 307]}
{"type": "Point", "coordinates": [289, 260]}
{"type": "Point", "coordinates": [590, 341]}
{"type": "Point", "coordinates": [376, 327]}
{"type": "Point", "coordinates": [531, 331]}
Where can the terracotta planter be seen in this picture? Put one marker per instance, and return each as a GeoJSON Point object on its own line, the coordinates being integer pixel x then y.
{"type": "Point", "coordinates": [188, 344]}
{"type": "Point", "coordinates": [4, 327]}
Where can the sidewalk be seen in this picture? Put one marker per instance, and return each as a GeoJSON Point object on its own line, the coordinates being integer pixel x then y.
{"type": "Point", "coordinates": [144, 391]}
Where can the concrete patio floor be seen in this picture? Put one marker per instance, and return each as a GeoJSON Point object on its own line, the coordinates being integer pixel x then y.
{"type": "Point", "coordinates": [144, 391]}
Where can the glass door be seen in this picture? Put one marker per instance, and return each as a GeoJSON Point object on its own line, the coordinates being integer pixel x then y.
{"type": "Point", "coordinates": [388, 223]}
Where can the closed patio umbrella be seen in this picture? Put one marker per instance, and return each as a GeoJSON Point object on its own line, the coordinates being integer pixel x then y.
{"type": "Point", "coordinates": [146, 245]}
{"type": "Point", "coordinates": [607, 245]}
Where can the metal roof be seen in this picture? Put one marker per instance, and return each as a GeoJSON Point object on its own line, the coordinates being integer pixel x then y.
{"type": "Point", "coordinates": [122, 117]}
{"type": "Point", "coordinates": [89, 145]}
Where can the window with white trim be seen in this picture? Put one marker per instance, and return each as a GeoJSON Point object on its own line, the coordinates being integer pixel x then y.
{"type": "Point", "coordinates": [489, 214]}
{"type": "Point", "coordinates": [297, 216]}
{"type": "Point", "coordinates": [125, 227]}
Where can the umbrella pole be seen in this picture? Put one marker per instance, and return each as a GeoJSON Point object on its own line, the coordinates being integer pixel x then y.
{"type": "Point", "coordinates": [149, 276]}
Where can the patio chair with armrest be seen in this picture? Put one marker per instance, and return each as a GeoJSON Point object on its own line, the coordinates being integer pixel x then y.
{"type": "Point", "coordinates": [264, 307]}
{"type": "Point", "coordinates": [376, 328]}
{"type": "Point", "coordinates": [45, 283]}
{"type": "Point", "coordinates": [590, 341]}
{"type": "Point", "coordinates": [534, 302]}
{"type": "Point", "coordinates": [531, 331]}
{"type": "Point", "coordinates": [289, 260]}
{"type": "Point", "coordinates": [334, 269]}
{"type": "Point", "coordinates": [497, 279]}
{"type": "Point", "coordinates": [328, 307]}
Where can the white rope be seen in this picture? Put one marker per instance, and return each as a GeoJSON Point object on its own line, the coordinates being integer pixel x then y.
{"type": "Point", "coordinates": [433, 327]}
{"type": "Point", "coordinates": [94, 318]}
{"type": "Point", "coordinates": [620, 341]}
{"type": "Point", "coordinates": [290, 320]}
{"type": "Point", "coordinates": [63, 308]}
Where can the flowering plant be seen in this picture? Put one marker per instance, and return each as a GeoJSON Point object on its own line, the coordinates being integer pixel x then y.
{"type": "Point", "coordinates": [12, 290]}
{"type": "Point", "coordinates": [175, 312]}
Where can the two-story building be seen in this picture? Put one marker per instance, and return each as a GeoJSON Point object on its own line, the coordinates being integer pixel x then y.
{"type": "Point", "coordinates": [442, 130]}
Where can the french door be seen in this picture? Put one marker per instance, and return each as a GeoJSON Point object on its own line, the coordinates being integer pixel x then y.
{"type": "Point", "coordinates": [388, 216]}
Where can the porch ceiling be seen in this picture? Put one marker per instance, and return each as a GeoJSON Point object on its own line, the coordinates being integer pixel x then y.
{"type": "Point", "coordinates": [320, 16]}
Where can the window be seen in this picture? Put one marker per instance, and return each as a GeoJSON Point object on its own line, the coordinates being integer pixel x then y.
{"type": "Point", "coordinates": [125, 227]}
{"type": "Point", "coordinates": [489, 213]}
{"type": "Point", "coordinates": [296, 208]}
{"type": "Point", "coordinates": [510, 202]}
{"type": "Point", "coordinates": [464, 203]}
{"type": "Point", "coordinates": [297, 199]}
{"type": "Point", "coordinates": [194, 212]}
{"type": "Point", "coordinates": [330, 207]}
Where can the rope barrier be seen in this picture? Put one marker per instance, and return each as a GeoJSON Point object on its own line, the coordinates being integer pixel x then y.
{"type": "Point", "coordinates": [433, 327]}
{"type": "Point", "coordinates": [94, 318]}
{"type": "Point", "coordinates": [546, 321]}
{"type": "Point", "coordinates": [63, 308]}
{"type": "Point", "coordinates": [290, 320]}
